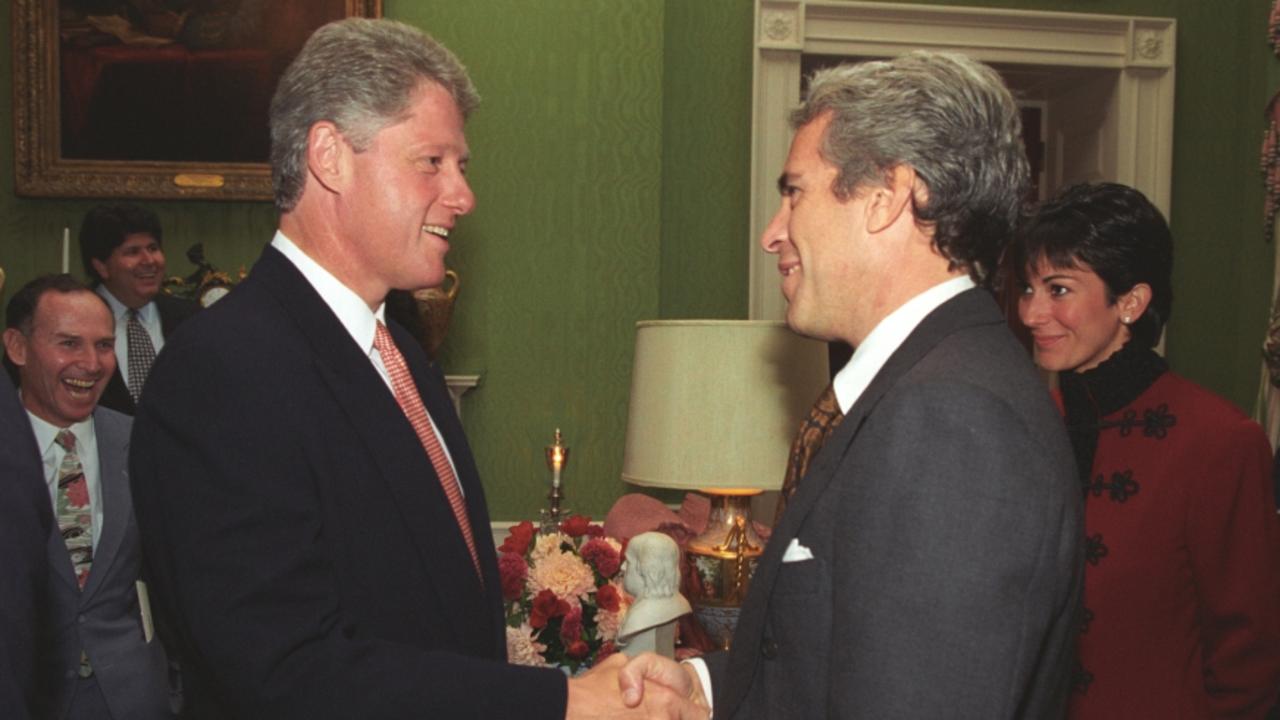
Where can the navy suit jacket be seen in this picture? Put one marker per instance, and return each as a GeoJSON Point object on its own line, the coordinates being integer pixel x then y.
{"type": "Point", "coordinates": [103, 619]}
{"type": "Point", "coordinates": [306, 562]}
{"type": "Point", "coordinates": [173, 311]}
{"type": "Point", "coordinates": [944, 519]}
{"type": "Point", "coordinates": [25, 522]}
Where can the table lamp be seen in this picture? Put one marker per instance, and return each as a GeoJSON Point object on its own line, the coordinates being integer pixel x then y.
{"type": "Point", "coordinates": [714, 407]}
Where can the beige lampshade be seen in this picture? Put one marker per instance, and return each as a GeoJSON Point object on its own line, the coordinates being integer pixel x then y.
{"type": "Point", "coordinates": [715, 403]}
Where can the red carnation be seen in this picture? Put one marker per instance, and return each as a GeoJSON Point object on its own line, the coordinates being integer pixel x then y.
{"type": "Point", "coordinates": [571, 626]}
{"type": "Point", "coordinates": [514, 571]}
{"type": "Point", "coordinates": [577, 650]}
{"type": "Point", "coordinates": [576, 526]}
{"type": "Point", "coordinates": [608, 598]}
{"type": "Point", "coordinates": [595, 531]}
{"type": "Point", "coordinates": [607, 649]}
{"type": "Point", "coordinates": [545, 607]}
{"type": "Point", "coordinates": [518, 538]}
{"type": "Point", "coordinates": [602, 556]}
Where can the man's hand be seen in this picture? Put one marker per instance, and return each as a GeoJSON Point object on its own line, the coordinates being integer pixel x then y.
{"type": "Point", "coordinates": [648, 672]}
{"type": "Point", "coordinates": [598, 693]}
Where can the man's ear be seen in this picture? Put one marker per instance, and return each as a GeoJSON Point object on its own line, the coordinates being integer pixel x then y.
{"type": "Point", "coordinates": [100, 268]}
{"type": "Point", "coordinates": [887, 203]}
{"type": "Point", "coordinates": [328, 156]}
{"type": "Point", "coordinates": [1133, 303]}
{"type": "Point", "coordinates": [15, 346]}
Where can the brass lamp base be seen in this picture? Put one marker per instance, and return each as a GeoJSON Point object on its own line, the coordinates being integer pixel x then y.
{"type": "Point", "coordinates": [725, 558]}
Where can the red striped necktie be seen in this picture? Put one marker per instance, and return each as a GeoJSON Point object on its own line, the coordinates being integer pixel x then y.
{"type": "Point", "coordinates": [411, 403]}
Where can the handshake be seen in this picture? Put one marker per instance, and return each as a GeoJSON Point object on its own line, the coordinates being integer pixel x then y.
{"type": "Point", "coordinates": [646, 686]}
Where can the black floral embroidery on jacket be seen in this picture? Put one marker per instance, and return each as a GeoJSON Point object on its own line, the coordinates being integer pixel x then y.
{"type": "Point", "coordinates": [1121, 488]}
{"type": "Point", "coordinates": [1094, 549]}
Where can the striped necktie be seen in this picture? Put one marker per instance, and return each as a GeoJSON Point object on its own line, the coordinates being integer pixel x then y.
{"type": "Point", "coordinates": [823, 419]}
{"type": "Point", "coordinates": [75, 518]}
{"type": "Point", "coordinates": [411, 404]}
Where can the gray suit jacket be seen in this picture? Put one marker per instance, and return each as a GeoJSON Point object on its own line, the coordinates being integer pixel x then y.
{"type": "Point", "coordinates": [104, 619]}
{"type": "Point", "coordinates": [944, 520]}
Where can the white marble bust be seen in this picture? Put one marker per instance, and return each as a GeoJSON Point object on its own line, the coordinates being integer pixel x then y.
{"type": "Point", "coordinates": [652, 576]}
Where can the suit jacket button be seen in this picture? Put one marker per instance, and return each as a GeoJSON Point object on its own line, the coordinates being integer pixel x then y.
{"type": "Point", "coordinates": [769, 649]}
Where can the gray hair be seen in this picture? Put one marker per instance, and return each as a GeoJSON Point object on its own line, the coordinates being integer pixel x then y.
{"type": "Point", "coordinates": [358, 74]}
{"type": "Point", "coordinates": [948, 117]}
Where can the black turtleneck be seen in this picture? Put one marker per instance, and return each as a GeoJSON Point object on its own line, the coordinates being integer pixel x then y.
{"type": "Point", "coordinates": [1089, 396]}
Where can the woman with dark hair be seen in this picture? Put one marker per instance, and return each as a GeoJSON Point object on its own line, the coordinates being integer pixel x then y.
{"type": "Point", "coordinates": [1182, 583]}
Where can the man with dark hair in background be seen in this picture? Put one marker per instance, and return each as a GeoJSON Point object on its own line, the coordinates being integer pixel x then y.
{"type": "Point", "coordinates": [96, 661]}
{"type": "Point", "coordinates": [120, 246]}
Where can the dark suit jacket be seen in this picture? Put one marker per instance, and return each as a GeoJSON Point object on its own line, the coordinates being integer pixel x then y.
{"type": "Point", "coordinates": [305, 559]}
{"type": "Point", "coordinates": [944, 520]}
{"type": "Point", "coordinates": [104, 619]}
{"type": "Point", "coordinates": [173, 311]}
{"type": "Point", "coordinates": [25, 523]}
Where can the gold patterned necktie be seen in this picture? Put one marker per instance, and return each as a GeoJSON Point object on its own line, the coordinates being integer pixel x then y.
{"type": "Point", "coordinates": [823, 419]}
{"type": "Point", "coordinates": [142, 353]}
{"type": "Point", "coordinates": [411, 404]}
{"type": "Point", "coordinates": [75, 518]}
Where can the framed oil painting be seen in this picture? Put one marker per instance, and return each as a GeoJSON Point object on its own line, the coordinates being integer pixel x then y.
{"type": "Point", "coordinates": [153, 98]}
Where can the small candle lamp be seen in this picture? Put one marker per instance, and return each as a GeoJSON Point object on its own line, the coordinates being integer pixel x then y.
{"type": "Point", "coordinates": [557, 457]}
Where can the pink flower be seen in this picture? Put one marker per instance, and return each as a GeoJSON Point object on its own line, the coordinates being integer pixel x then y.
{"type": "Point", "coordinates": [564, 574]}
{"type": "Point", "coordinates": [514, 572]}
{"type": "Point", "coordinates": [602, 556]}
{"type": "Point", "coordinates": [518, 538]}
{"type": "Point", "coordinates": [522, 649]}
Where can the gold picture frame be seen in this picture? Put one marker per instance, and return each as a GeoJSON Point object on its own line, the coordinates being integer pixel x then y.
{"type": "Point", "coordinates": [43, 118]}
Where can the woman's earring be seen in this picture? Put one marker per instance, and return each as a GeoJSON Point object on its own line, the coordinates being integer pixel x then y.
{"type": "Point", "coordinates": [1126, 319]}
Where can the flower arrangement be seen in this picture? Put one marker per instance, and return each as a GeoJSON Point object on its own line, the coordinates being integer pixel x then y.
{"type": "Point", "coordinates": [563, 594]}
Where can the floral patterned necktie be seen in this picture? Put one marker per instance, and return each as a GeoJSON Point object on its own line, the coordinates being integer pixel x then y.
{"type": "Point", "coordinates": [75, 519]}
{"type": "Point", "coordinates": [823, 419]}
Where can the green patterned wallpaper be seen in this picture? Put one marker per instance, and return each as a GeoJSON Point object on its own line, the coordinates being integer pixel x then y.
{"type": "Point", "coordinates": [611, 170]}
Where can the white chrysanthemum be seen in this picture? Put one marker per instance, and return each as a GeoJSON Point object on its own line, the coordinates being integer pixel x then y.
{"type": "Point", "coordinates": [521, 648]}
{"type": "Point", "coordinates": [564, 574]}
{"type": "Point", "coordinates": [544, 545]}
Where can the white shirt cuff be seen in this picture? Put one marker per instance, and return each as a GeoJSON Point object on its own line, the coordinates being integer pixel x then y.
{"type": "Point", "coordinates": [704, 677]}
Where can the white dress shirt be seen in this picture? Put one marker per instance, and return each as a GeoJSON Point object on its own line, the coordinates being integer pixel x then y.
{"type": "Point", "coordinates": [887, 336]}
{"type": "Point", "coordinates": [867, 361]}
{"type": "Point", "coordinates": [87, 449]}
{"type": "Point", "coordinates": [148, 315]}
{"type": "Point", "coordinates": [354, 314]}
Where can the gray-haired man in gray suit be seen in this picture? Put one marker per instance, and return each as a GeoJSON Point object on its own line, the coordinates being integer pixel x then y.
{"type": "Point", "coordinates": [95, 659]}
{"type": "Point", "coordinates": [929, 563]}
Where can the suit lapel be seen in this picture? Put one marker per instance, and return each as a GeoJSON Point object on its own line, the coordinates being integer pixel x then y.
{"type": "Point", "coordinates": [113, 452]}
{"type": "Point", "coordinates": [972, 307]}
{"type": "Point", "coordinates": [377, 420]}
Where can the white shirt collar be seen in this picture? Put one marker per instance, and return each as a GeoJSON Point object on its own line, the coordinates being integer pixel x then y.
{"type": "Point", "coordinates": [352, 312]}
{"type": "Point", "coordinates": [46, 432]}
{"type": "Point", "coordinates": [887, 336]}
{"type": "Point", "coordinates": [119, 310]}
